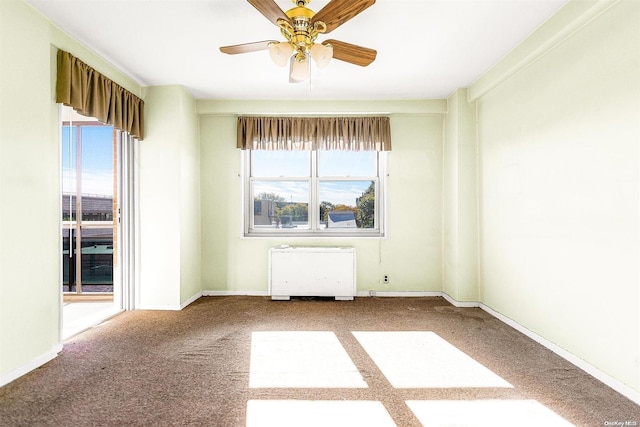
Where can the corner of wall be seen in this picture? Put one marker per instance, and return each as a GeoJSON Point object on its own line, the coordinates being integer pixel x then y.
{"type": "Point", "coordinates": [460, 219]}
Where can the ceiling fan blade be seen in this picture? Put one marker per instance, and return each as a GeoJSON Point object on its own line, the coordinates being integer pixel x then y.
{"type": "Point", "coordinates": [269, 9]}
{"type": "Point", "coordinates": [351, 53]}
{"type": "Point", "coordinates": [247, 47]}
{"type": "Point", "coordinates": [337, 12]}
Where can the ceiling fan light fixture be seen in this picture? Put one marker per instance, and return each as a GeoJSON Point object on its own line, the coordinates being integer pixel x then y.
{"type": "Point", "coordinates": [280, 53]}
{"type": "Point", "coordinates": [299, 71]}
{"type": "Point", "coordinates": [322, 54]}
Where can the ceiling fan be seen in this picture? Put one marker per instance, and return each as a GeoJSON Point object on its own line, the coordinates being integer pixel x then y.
{"type": "Point", "coordinates": [301, 26]}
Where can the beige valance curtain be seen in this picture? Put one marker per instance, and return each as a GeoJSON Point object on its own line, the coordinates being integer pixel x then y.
{"type": "Point", "coordinates": [314, 133]}
{"type": "Point", "coordinates": [92, 94]}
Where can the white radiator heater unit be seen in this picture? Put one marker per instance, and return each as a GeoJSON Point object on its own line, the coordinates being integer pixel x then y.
{"type": "Point", "coordinates": [312, 271]}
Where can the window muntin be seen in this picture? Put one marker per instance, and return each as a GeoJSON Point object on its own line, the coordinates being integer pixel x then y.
{"type": "Point", "coordinates": [313, 193]}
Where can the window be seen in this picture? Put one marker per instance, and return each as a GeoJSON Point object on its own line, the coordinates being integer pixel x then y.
{"type": "Point", "coordinates": [314, 193]}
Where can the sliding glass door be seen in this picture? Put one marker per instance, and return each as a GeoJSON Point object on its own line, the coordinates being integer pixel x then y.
{"type": "Point", "coordinates": [89, 206]}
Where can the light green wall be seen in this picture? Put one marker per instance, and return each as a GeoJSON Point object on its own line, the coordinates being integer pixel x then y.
{"type": "Point", "coordinates": [30, 297]}
{"type": "Point", "coordinates": [29, 196]}
{"type": "Point", "coordinates": [410, 255]}
{"type": "Point", "coordinates": [560, 190]}
{"type": "Point", "coordinates": [169, 200]}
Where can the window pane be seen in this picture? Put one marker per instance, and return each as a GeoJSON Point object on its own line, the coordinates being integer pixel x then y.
{"type": "Point", "coordinates": [97, 173]}
{"type": "Point", "coordinates": [280, 204]}
{"type": "Point", "coordinates": [347, 163]}
{"type": "Point", "coordinates": [347, 204]}
{"type": "Point", "coordinates": [280, 163]}
{"type": "Point", "coordinates": [97, 260]}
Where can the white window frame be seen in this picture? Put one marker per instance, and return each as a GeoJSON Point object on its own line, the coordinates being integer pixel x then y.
{"type": "Point", "coordinates": [314, 231]}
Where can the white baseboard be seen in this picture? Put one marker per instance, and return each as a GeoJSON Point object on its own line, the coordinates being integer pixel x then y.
{"type": "Point", "coordinates": [608, 380]}
{"type": "Point", "coordinates": [160, 307]}
{"type": "Point", "coordinates": [235, 293]}
{"type": "Point", "coordinates": [170, 307]}
{"type": "Point", "coordinates": [456, 303]}
{"type": "Point", "coordinates": [358, 294]}
{"type": "Point", "coordinates": [399, 294]}
{"type": "Point", "coordinates": [190, 300]}
{"type": "Point", "coordinates": [16, 373]}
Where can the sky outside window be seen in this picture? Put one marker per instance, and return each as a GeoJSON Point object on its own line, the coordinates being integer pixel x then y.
{"type": "Point", "coordinates": [347, 163]}
{"type": "Point", "coordinates": [267, 163]}
{"type": "Point", "coordinates": [97, 159]}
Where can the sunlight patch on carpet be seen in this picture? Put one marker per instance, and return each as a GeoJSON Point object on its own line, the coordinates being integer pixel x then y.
{"type": "Point", "coordinates": [485, 413]}
{"type": "Point", "coordinates": [320, 413]}
{"type": "Point", "coordinates": [420, 359]}
{"type": "Point", "coordinates": [315, 359]}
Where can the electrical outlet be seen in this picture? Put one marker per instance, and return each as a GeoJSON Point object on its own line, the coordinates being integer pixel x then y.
{"type": "Point", "coordinates": [385, 279]}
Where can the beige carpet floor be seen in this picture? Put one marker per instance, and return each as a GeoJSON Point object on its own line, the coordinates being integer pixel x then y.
{"type": "Point", "coordinates": [236, 361]}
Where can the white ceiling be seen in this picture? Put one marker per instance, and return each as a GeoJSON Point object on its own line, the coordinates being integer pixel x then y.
{"type": "Point", "coordinates": [426, 48]}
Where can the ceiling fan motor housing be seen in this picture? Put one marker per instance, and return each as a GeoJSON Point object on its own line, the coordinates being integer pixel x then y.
{"type": "Point", "coordinates": [299, 32]}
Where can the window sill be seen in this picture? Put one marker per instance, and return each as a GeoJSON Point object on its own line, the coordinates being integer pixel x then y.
{"type": "Point", "coordinates": [311, 235]}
